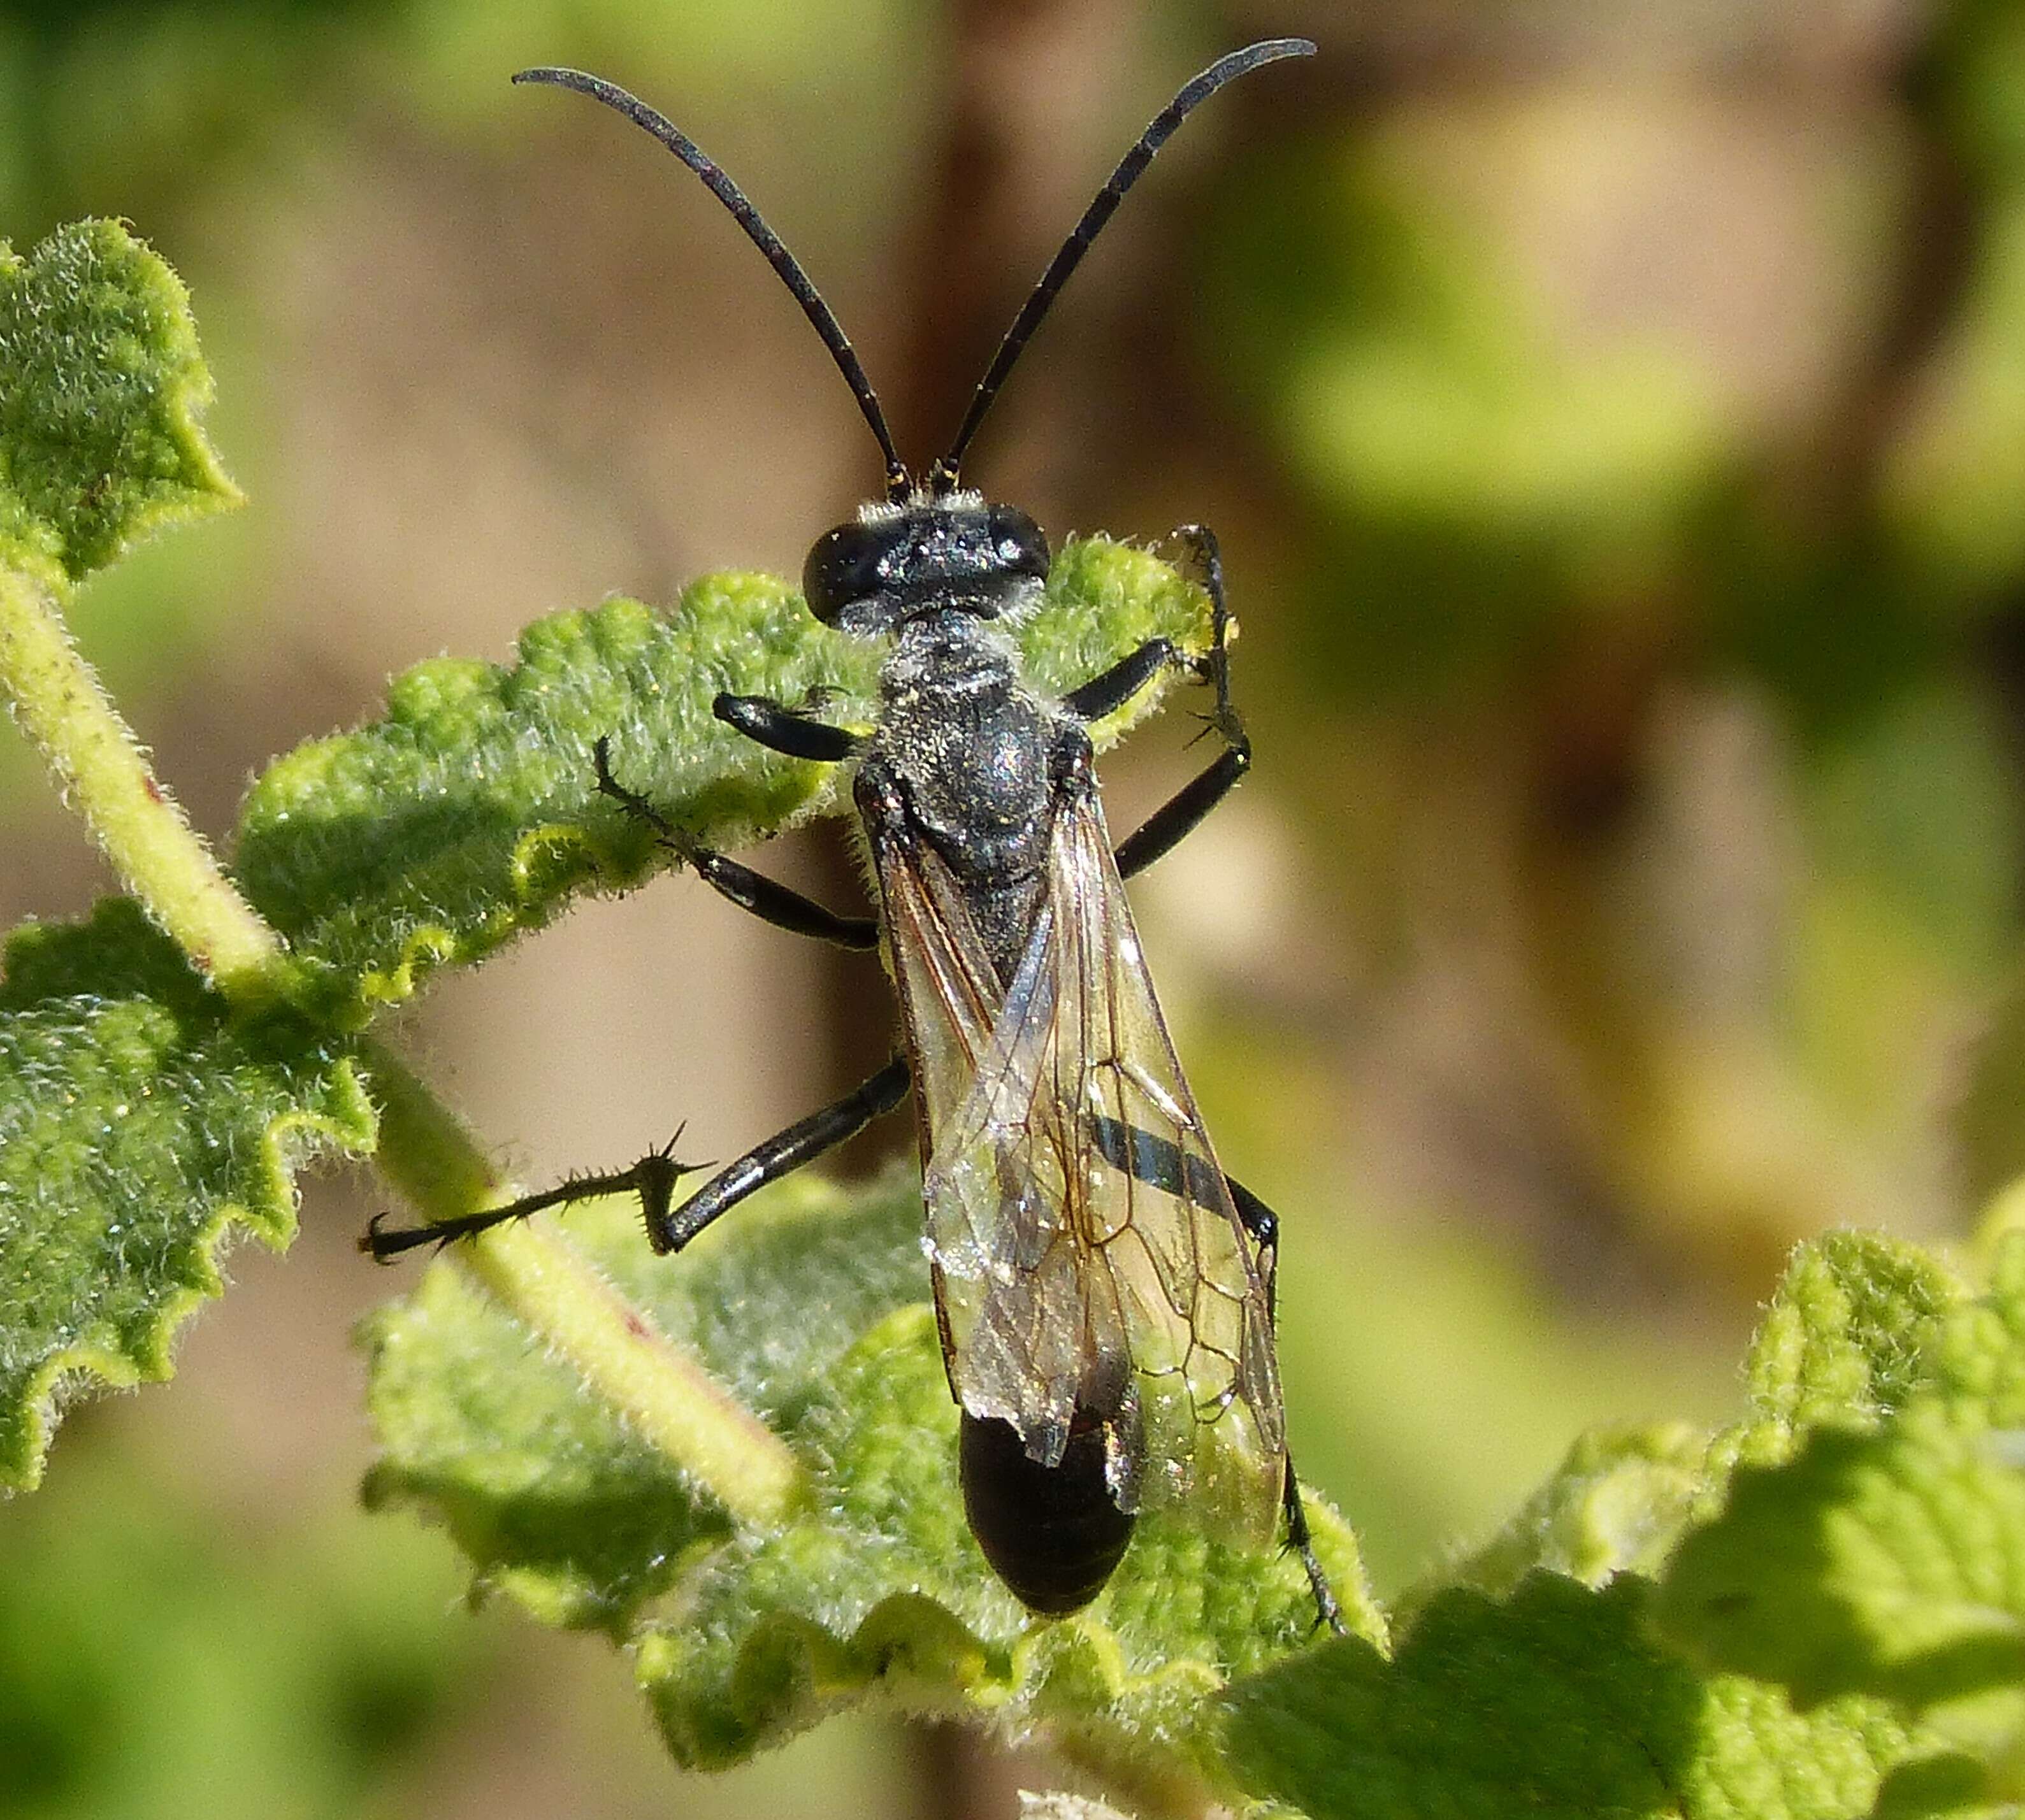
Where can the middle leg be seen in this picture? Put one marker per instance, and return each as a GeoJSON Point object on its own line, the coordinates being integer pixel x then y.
{"type": "Point", "coordinates": [753, 892]}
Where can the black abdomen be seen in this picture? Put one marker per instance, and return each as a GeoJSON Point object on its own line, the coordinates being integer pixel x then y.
{"type": "Point", "coordinates": [1054, 1534]}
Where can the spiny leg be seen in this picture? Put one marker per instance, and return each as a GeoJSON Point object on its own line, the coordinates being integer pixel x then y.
{"type": "Point", "coordinates": [764, 897]}
{"type": "Point", "coordinates": [1263, 1224]}
{"type": "Point", "coordinates": [1162, 1164]}
{"type": "Point", "coordinates": [802, 1142]}
{"type": "Point", "coordinates": [1201, 542]}
{"type": "Point", "coordinates": [1105, 694]}
{"type": "Point", "coordinates": [653, 1178]}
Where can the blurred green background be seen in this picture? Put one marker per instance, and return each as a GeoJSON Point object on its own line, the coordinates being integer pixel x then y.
{"type": "Point", "coordinates": [1615, 417]}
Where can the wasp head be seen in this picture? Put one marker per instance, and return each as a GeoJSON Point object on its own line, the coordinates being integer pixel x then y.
{"type": "Point", "coordinates": [927, 553]}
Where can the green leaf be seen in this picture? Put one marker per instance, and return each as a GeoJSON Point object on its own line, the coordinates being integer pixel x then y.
{"type": "Point", "coordinates": [1979, 1359]}
{"type": "Point", "coordinates": [1849, 1333]}
{"type": "Point", "coordinates": [1554, 1704]}
{"type": "Point", "coordinates": [1887, 1558]}
{"type": "Point", "coordinates": [540, 1483]}
{"type": "Point", "coordinates": [138, 1120]}
{"type": "Point", "coordinates": [1848, 1336]}
{"type": "Point", "coordinates": [1892, 1561]}
{"type": "Point", "coordinates": [1059, 1807]}
{"type": "Point", "coordinates": [101, 387]}
{"type": "Point", "coordinates": [1520, 1690]}
{"type": "Point", "coordinates": [807, 1307]}
{"type": "Point", "coordinates": [470, 813]}
{"type": "Point", "coordinates": [1617, 1503]}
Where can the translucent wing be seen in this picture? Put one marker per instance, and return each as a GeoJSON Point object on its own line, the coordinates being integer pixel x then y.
{"type": "Point", "coordinates": [1089, 1264]}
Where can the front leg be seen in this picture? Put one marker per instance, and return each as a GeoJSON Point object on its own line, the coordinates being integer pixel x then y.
{"type": "Point", "coordinates": [780, 728]}
{"type": "Point", "coordinates": [1106, 693]}
{"type": "Point", "coordinates": [1183, 812]}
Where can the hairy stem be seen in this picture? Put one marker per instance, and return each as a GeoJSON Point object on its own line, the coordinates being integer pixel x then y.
{"type": "Point", "coordinates": [670, 1399]}
{"type": "Point", "coordinates": [61, 705]}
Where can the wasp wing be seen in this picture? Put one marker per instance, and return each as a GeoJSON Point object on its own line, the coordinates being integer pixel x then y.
{"type": "Point", "coordinates": [948, 990]}
{"type": "Point", "coordinates": [1089, 1262]}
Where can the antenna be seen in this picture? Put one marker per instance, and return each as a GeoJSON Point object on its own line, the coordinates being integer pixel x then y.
{"type": "Point", "coordinates": [943, 476]}
{"type": "Point", "coordinates": [822, 317]}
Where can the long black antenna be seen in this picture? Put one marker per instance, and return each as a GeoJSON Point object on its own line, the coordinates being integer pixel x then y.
{"type": "Point", "coordinates": [820, 314]}
{"type": "Point", "coordinates": [943, 476]}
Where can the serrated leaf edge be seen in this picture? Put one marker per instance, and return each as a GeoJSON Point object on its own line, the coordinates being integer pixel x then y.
{"type": "Point", "coordinates": [289, 1140]}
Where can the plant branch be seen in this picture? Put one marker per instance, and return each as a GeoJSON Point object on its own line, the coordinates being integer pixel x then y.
{"type": "Point", "coordinates": [667, 1396]}
{"type": "Point", "coordinates": [102, 768]}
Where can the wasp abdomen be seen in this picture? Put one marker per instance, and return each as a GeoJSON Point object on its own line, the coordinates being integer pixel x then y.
{"type": "Point", "coordinates": [1054, 1534]}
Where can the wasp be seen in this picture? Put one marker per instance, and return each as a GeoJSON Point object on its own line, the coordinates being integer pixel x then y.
{"type": "Point", "coordinates": [1104, 1292]}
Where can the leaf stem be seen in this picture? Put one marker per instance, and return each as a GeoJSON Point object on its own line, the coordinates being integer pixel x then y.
{"type": "Point", "coordinates": [63, 709]}
{"type": "Point", "coordinates": [666, 1395]}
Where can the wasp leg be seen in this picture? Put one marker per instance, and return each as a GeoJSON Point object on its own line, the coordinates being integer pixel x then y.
{"type": "Point", "coordinates": [1162, 1164]}
{"type": "Point", "coordinates": [780, 904]}
{"type": "Point", "coordinates": [653, 1178]}
{"type": "Point", "coordinates": [765, 898]}
{"type": "Point", "coordinates": [778, 728]}
{"type": "Point", "coordinates": [1183, 812]}
{"type": "Point", "coordinates": [1263, 1224]}
{"type": "Point", "coordinates": [1110, 690]}
{"type": "Point", "coordinates": [787, 1150]}
{"type": "Point", "coordinates": [1327, 1611]}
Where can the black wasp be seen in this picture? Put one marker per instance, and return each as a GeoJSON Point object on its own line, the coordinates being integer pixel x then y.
{"type": "Point", "coordinates": [1104, 1292]}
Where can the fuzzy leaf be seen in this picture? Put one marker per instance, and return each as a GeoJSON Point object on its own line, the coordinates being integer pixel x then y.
{"type": "Point", "coordinates": [540, 1483]}
{"type": "Point", "coordinates": [470, 813]}
{"type": "Point", "coordinates": [1889, 1558]}
{"type": "Point", "coordinates": [1979, 1357]}
{"type": "Point", "coordinates": [807, 1307]}
{"type": "Point", "coordinates": [137, 1121]}
{"type": "Point", "coordinates": [1517, 1690]}
{"type": "Point", "coordinates": [101, 386]}
{"type": "Point", "coordinates": [1617, 1503]}
{"type": "Point", "coordinates": [1059, 1807]}
{"type": "Point", "coordinates": [1553, 1704]}
{"type": "Point", "coordinates": [1892, 1561]}
{"type": "Point", "coordinates": [1848, 1336]}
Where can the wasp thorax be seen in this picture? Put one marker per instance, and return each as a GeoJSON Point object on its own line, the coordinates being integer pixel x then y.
{"type": "Point", "coordinates": [951, 552]}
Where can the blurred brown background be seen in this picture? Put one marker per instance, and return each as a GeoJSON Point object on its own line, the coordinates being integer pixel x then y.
{"type": "Point", "coordinates": [1615, 417]}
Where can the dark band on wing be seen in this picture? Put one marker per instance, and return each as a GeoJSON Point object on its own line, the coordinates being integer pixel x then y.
{"type": "Point", "coordinates": [1157, 1162]}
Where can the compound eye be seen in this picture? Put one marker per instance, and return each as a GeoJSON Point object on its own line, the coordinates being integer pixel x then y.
{"type": "Point", "coordinates": [846, 566]}
{"type": "Point", "coordinates": [1019, 545]}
